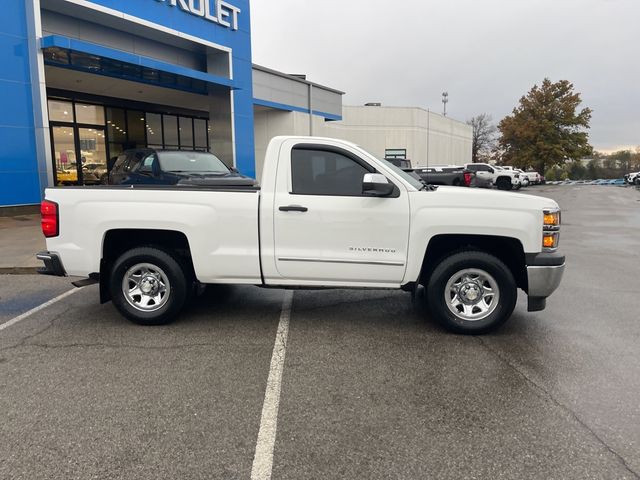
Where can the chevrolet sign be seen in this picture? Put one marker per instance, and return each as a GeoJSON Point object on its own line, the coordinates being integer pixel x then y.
{"type": "Point", "coordinates": [216, 11]}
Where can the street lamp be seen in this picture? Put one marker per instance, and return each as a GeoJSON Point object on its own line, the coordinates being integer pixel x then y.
{"type": "Point", "coordinates": [445, 100]}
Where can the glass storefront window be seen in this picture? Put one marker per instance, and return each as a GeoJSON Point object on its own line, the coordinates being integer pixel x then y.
{"type": "Point", "coordinates": [170, 123]}
{"type": "Point", "coordinates": [200, 133]}
{"type": "Point", "coordinates": [116, 125]}
{"type": "Point", "coordinates": [154, 129]}
{"type": "Point", "coordinates": [135, 128]}
{"type": "Point", "coordinates": [89, 114]}
{"type": "Point", "coordinates": [186, 133]}
{"type": "Point", "coordinates": [93, 155]}
{"type": "Point", "coordinates": [64, 154]}
{"type": "Point", "coordinates": [60, 111]}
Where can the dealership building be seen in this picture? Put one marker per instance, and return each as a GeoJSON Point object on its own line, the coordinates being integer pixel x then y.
{"type": "Point", "coordinates": [81, 81]}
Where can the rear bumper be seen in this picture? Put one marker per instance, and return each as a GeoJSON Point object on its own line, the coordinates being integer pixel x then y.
{"type": "Point", "coordinates": [544, 274]}
{"type": "Point", "coordinates": [52, 264]}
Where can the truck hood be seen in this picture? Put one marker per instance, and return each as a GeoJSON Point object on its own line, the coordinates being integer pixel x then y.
{"type": "Point", "coordinates": [473, 198]}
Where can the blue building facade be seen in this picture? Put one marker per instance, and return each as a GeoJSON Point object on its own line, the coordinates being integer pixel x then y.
{"type": "Point", "coordinates": [80, 81]}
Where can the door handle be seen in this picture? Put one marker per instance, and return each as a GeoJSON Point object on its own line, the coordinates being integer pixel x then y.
{"type": "Point", "coordinates": [293, 208]}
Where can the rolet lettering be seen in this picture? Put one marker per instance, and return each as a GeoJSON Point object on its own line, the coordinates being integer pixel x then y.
{"type": "Point", "coordinates": [216, 11]}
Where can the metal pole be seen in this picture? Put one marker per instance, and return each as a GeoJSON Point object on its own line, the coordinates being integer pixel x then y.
{"type": "Point", "coordinates": [310, 110]}
{"type": "Point", "coordinates": [428, 134]}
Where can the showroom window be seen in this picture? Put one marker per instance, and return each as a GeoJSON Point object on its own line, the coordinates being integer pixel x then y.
{"type": "Point", "coordinates": [87, 138]}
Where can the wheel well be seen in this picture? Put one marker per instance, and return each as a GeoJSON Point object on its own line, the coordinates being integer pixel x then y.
{"type": "Point", "coordinates": [509, 250]}
{"type": "Point", "coordinates": [116, 242]}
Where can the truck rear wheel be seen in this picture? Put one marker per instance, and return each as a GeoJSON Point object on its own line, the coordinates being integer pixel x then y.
{"type": "Point", "coordinates": [148, 286]}
{"type": "Point", "coordinates": [471, 292]}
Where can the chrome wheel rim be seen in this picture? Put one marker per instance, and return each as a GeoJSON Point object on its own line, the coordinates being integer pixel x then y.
{"type": "Point", "coordinates": [146, 287]}
{"type": "Point", "coordinates": [472, 294]}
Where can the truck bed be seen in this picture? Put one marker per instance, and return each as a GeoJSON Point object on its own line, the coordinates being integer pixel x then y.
{"type": "Point", "coordinates": [220, 224]}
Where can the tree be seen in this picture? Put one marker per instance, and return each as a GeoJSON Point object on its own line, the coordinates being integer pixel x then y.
{"type": "Point", "coordinates": [546, 128]}
{"type": "Point", "coordinates": [484, 136]}
{"type": "Point", "coordinates": [623, 159]}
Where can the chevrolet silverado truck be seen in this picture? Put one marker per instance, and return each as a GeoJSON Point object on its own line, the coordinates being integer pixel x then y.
{"type": "Point", "coordinates": [327, 214]}
{"type": "Point", "coordinates": [502, 178]}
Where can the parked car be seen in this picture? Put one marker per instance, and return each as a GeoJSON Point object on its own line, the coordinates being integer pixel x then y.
{"type": "Point", "coordinates": [524, 178]}
{"type": "Point", "coordinates": [484, 174]}
{"type": "Point", "coordinates": [149, 166]}
{"type": "Point", "coordinates": [67, 176]}
{"type": "Point", "coordinates": [328, 214]}
{"type": "Point", "coordinates": [632, 178]}
{"type": "Point", "coordinates": [95, 174]}
{"type": "Point", "coordinates": [446, 175]}
{"type": "Point", "coordinates": [503, 179]}
{"type": "Point", "coordinates": [534, 177]}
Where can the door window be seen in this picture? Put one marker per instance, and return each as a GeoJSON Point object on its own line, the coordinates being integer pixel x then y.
{"type": "Point", "coordinates": [322, 172]}
{"type": "Point", "coordinates": [93, 155]}
{"type": "Point", "coordinates": [64, 150]}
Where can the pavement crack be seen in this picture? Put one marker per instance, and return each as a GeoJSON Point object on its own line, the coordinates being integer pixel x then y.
{"type": "Point", "coordinates": [50, 324]}
{"type": "Point", "coordinates": [549, 396]}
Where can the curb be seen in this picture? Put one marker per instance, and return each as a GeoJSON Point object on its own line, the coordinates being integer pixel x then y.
{"type": "Point", "coordinates": [18, 270]}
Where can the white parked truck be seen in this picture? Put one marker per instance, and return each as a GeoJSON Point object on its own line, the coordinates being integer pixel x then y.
{"type": "Point", "coordinates": [327, 215]}
{"type": "Point", "coordinates": [503, 178]}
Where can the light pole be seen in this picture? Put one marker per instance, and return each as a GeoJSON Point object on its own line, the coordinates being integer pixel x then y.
{"type": "Point", "coordinates": [445, 100]}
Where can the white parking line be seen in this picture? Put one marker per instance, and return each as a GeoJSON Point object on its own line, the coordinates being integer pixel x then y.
{"type": "Point", "coordinates": [263, 459]}
{"type": "Point", "coordinates": [19, 318]}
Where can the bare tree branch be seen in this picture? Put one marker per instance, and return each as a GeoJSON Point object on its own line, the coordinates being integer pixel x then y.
{"type": "Point", "coordinates": [484, 136]}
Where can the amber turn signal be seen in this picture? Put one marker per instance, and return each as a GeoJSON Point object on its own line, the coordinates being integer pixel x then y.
{"type": "Point", "coordinates": [550, 240]}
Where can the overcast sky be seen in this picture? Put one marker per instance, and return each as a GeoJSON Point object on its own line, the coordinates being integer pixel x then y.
{"type": "Point", "coordinates": [485, 53]}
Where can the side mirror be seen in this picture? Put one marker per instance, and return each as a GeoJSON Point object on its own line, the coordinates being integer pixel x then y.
{"type": "Point", "coordinates": [492, 170]}
{"type": "Point", "coordinates": [376, 185]}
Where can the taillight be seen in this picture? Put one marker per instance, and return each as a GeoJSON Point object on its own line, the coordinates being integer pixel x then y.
{"type": "Point", "coordinates": [49, 214]}
{"type": "Point", "coordinates": [467, 179]}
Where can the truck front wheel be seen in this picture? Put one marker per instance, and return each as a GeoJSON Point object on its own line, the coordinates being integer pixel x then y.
{"type": "Point", "coordinates": [148, 286]}
{"type": "Point", "coordinates": [471, 292]}
{"type": "Point", "coordinates": [504, 184]}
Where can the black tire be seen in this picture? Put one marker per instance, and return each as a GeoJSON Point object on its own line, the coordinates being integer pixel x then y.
{"type": "Point", "coordinates": [504, 184]}
{"type": "Point", "coordinates": [167, 267]}
{"type": "Point", "coordinates": [475, 261]}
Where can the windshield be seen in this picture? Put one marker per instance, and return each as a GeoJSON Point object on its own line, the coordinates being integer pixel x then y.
{"type": "Point", "coordinates": [407, 177]}
{"type": "Point", "coordinates": [195, 162]}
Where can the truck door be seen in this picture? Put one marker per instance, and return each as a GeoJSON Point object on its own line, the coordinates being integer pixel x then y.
{"type": "Point", "coordinates": [326, 231]}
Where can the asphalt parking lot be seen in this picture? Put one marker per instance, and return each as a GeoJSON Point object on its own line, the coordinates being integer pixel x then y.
{"type": "Point", "coordinates": [371, 387]}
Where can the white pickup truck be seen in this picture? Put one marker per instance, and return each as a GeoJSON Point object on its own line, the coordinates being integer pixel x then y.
{"type": "Point", "coordinates": [327, 215]}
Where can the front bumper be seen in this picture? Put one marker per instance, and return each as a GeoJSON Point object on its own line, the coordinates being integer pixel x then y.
{"type": "Point", "coordinates": [52, 264]}
{"type": "Point", "coordinates": [544, 274]}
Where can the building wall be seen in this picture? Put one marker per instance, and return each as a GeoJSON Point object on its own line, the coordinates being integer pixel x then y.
{"type": "Point", "coordinates": [19, 171]}
{"type": "Point", "coordinates": [429, 138]}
